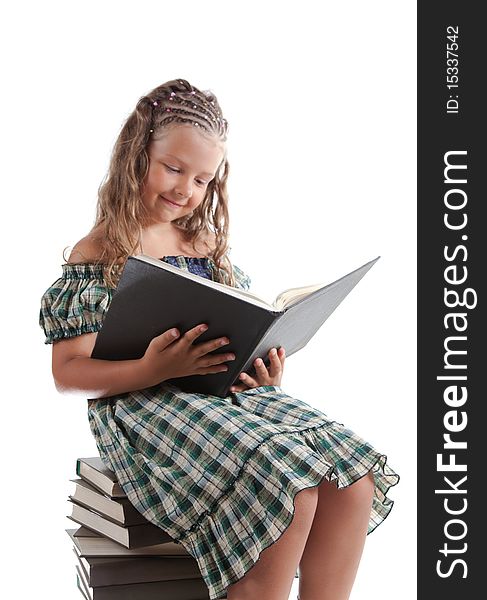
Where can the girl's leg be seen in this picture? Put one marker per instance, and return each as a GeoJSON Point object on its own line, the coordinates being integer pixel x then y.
{"type": "Point", "coordinates": [334, 546]}
{"type": "Point", "coordinates": [271, 577]}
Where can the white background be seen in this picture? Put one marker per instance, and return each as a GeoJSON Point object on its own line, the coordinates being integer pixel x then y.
{"type": "Point", "coordinates": [320, 97]}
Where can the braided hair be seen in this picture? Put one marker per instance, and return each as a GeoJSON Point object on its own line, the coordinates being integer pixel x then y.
{"type": "Point", "coordinates": [120, 211]}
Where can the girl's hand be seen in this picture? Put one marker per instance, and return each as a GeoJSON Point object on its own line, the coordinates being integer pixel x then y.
{"type": "Point", "coordinates": [167, 356]}
{"type": "Point", "coordinates": [263, 376]}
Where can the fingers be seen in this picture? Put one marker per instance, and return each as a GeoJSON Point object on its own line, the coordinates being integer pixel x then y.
{"type": "Point", "coordinates": [276, 364]}
{"type": "Point", "coordinates": [208, 363]}
{"type": "Point", "coordinates": [267, 375]}
{"type": "Point", "coordinates": [190, 336]}
{"type": "Point", "coordinates": [248, 380]}
{"type": "Point", "coordinates": [263, 376]}
{"type": "Point", "coordinates": [238, 388]}
{"type": "Point", "coordinates": [203, 348]}
{"type": "Point", "coordinates": [260, 369]}
{"type": "Point", "coordinates": [162, 341]}
{"type": "Point", "coordinates": [277, 358]}
{"type": "Point", "coordinates": [216, 359]}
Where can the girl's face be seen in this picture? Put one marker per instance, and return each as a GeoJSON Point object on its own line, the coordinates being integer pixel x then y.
{"type": "Point", "coordinates": [181, 165]}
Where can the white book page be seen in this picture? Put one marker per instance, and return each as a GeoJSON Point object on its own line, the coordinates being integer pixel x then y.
{"type": "Point", "coordinates": [284, 300]}
{"type": "Point", "coordinates": [292, 295]}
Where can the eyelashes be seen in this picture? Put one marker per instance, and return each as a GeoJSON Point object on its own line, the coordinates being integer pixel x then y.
{"type": "Point", "coordinates": [173, 170]}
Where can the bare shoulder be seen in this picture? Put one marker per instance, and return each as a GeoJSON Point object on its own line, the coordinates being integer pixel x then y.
{"type": "Point", "coordinates": [87, 249]}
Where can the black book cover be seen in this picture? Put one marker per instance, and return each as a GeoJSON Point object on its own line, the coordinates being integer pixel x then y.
{"type": "Point", "coordinates": [152, 297]}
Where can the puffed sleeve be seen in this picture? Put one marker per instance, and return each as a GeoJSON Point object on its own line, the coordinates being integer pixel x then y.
{"type": "Point", "coordinates": [242, 280]}
{"type": "Point", "coordinates": [75, 303]}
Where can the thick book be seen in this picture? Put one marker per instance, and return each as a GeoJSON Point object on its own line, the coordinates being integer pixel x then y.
{"type": "Point", "coordinates": [153, 296]}
{"type": "Point", "coordinates": [100, 572]}
{"type": "Point", "coordinates": [119, 510]}
{"type": "Point", "coordinates": [132, 536]}
{"type": "Point", "coordinates": [94, 545]}
{"type": "Point", "coordinates": [94, 471]}
{"type": "Point", "coordinates": [182, 589]}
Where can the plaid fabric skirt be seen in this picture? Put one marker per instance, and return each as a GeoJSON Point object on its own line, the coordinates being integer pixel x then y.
{"type": "Point", "coordinates": [219, 475]}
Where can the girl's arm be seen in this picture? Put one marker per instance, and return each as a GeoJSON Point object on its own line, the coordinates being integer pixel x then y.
{"type": "Point", "coordinates": [167, 356]}
{"type": "Point", "coordinates": [75, 372]}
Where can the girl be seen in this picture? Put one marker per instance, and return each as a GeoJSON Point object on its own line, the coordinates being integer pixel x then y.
{"type": "Point", "coordinates": [255, 485]}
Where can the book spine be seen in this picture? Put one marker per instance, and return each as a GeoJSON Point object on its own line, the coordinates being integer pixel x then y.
{"type": "Point", "coordinates": [148, 534]}
{"type": "Point", "coordinates": [183, 589]}
{"type": "Point", "coordinates": [242, 365]}
{"type": "Point", "coordinates": [143, 570]}
{"type": "Point", "coordinates": [257, 349]}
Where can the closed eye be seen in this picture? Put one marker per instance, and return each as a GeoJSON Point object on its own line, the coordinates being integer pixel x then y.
{"type": "Point", "coordinates": [173, 170]}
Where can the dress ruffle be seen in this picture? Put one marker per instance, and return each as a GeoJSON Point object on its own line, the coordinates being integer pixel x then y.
{"type": "Point", "coordinates": [227, 502]}
{"type": "Point", "coordinates": [246, 520]}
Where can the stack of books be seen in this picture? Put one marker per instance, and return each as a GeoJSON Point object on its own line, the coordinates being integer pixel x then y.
{"type": "Point", "coordinates": [120, 555]}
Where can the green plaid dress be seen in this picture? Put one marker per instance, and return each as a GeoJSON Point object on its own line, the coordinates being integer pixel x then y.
{"type": "Point", "coordinates": [219, 475]}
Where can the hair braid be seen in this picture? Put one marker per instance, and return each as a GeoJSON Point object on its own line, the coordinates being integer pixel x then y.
{"type": "Point", "coordinates": [178, 101]}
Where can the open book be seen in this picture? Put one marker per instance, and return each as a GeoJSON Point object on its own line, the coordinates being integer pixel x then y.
{"type": "Point", "coordinates": [153, 296]}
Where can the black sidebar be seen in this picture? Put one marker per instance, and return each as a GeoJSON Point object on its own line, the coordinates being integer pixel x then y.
{"type": "Point", "coordinates": [452, 332]}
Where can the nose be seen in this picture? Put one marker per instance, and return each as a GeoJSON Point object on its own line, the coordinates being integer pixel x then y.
{"type": "Point", "coordinates": [184, 189]}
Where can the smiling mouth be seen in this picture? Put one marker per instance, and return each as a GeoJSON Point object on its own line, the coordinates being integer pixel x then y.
{"type": "Point", "coordinates": [170, 201]}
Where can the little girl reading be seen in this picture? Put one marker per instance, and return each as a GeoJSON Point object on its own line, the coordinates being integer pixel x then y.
{"type": "Point", "coordinates": [257, 485]}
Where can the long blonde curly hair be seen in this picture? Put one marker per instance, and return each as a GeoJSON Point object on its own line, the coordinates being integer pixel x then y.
{"type": "Point", "coordinates": [120, 211]}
